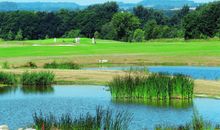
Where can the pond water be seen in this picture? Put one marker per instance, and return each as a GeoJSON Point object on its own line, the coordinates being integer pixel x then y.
{"type": "Point", "coordinates": [17, 106]}
{"type": "Point", "coordinates": [209, 73]}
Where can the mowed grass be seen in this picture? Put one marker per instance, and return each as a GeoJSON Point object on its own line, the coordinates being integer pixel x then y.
{"type": "Point", "coordinates": [106, 47]}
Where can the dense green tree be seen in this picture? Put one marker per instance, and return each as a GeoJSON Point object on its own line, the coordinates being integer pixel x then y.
{"type": "Point", "coordinates": [151, 30]}
{"type": "Point", "coordinates": [180, 14]}
{"type": "Point", "coordinates": [94, 17]}
{"type": "Point", "coordinates": [146, 14]}
{"type": "Point", "coordinates": [108, 31]}
{"type": "Point", "coordinates": [202, 23]}
{"type": "Point", "coordinates": [125, 24]}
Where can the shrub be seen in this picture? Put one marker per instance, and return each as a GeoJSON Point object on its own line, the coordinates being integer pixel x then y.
{"type": "Point", "coordinates": [37, 78]}
{"type": "Point", "coordinates": [67, 65]}
{"type": "Point", "coordinates": [7, 78]}
{"type": "Point", "coordinates": [103, 119]}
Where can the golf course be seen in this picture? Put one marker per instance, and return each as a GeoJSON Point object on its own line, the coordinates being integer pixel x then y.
{"type": "Point", "coordinates": [155, 52]}
{"type": "Point", "coordinates": [145, 65]}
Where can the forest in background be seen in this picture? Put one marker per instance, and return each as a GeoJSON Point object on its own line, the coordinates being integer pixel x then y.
{"type": "Point", "coordinates": [108, 21]}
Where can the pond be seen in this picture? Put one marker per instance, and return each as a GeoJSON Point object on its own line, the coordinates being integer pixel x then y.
{"type": "Point", "coordinates": [197, 72]}
{"type": "Point", "coordinates": [18, 105]}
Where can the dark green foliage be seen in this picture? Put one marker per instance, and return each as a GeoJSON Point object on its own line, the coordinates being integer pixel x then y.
{"type": "Point", "coordinates": [108, 32]}
{"type": "Point", "coordinates": [202, 23]}
{"type": "Point", "coordinates": [103, 119]}
{"type": "Point", "coordinates": [7, 78]}
{"type": "Point", "coordinates": [67, 65]}
{"type": "Point", "coordinates": [154, 86]}
{"type": "Point", "coordinates": [37, 79]}
{"type": "Point", "coordinates": [112, 24]}
{"type": "Point", "coordinates": [125, 24]}
{"type": "Point", "coordinates": [147, 14]}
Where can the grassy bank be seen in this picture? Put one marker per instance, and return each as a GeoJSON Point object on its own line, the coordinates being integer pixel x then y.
{"type": "Point", "coordinates": [203, 88]}
{"type": "Point", "coordinates": [166, 52]}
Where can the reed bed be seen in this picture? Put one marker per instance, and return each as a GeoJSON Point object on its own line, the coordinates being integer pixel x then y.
{"type": "Point", "coordinates": [102, 120]}
{"type": "Point", "coordinates": [37, 79]}
{"type": "Point", "coordinates": [7, 78]}
{"type": "Point", "coordinates": [67, 65]}
{"type": "Point", "coordinates": [153, 86]}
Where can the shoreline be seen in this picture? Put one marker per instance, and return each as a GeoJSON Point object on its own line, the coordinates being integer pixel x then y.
{"type": "Point", "coordinates": [203, 88]}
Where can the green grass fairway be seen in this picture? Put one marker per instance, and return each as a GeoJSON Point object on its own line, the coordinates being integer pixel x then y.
{"type": "Point", "coordinates": [175, 49]}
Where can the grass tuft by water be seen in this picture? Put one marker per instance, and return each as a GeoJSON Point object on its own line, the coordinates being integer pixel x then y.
{"type": "Point", "coordinates": [7, 78]}
{"type": "Point", "coordinates": [103, 119]}
{"type": "Point", "coordinates": [67, 65]}
{"type": "Point", "coordinates": [37, 79]}
{"type": "Point", "coordinates": [153, 86]}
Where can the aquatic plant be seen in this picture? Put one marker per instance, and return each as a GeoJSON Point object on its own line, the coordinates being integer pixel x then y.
{"type": "Point", "coordinates": [66, 65]}
{"type": "Point", "coordinates": [37, 78]}
{"type": "Point", "coordinates": [103, 119]}
{"type": "Point", "coordinates": [7, 78]}
{"type": "Point", "coordinates": [153, 86]}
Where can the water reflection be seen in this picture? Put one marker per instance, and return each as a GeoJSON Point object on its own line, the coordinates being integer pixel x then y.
{"type": "Point", "coordinates": [7, 89]}
{"type": "Point", "coordinates": [176, 104]}
{"type": "Point", "coordinates": [26, 89]}
{"type": "Point", "coordinates": [37, 90]}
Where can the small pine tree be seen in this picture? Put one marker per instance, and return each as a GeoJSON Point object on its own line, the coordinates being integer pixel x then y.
{"type": "Point", "coordinates": [19, 35]}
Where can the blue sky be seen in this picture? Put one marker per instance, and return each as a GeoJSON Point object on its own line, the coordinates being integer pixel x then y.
{"type": "Point", "coordinates": [86, 2]}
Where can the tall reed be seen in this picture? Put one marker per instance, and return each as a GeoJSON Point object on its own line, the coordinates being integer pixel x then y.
{"type": "Point", "coordinates": [37, 78]}
{"type": "Point", "coordinates": [102, 120]}
{"type": "Point", "coordinates": [154, 86]}
{"type": "Point", "coordinates": [66, 65]}
{"type": "Point", "coordinates": [7, 78]}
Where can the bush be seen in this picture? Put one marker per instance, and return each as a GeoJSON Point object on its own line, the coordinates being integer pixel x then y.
{"type": "Point", "coordinates": [67, 65]}
{"type": "Point", "coordinates": [37, 78]}
{"type": "Point", "coordinates": [7, 78]}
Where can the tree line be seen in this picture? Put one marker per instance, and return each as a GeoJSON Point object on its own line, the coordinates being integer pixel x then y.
{"type": "Point", "coordinates": [107, 21]}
